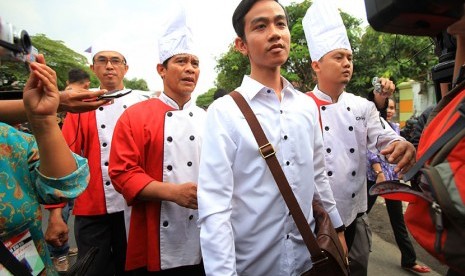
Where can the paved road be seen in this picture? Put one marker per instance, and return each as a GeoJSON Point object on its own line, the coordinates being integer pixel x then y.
{"type": "Point", "coordinates": [384, 258]}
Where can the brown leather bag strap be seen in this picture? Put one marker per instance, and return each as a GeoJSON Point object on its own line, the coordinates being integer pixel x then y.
{"type": "Point", "coordinates": [268, 153]}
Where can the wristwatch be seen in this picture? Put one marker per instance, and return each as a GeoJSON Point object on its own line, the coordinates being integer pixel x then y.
{"type": "Point", "coordinates": [378, 173]}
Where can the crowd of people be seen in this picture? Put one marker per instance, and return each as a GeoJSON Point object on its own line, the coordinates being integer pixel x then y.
{"type": "Point", "coordinates": [163, 187]}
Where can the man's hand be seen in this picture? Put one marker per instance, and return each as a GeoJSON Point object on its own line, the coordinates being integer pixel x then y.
{"type": "Point", "coordinates": [401, 153]}
{"type": "Point", "coordinates": [387, 89]}
{"type": "Point", "coordinates": [57, 229]}
{"type": "Point", "coordinates": [342, 239]}
{"type": "Point", "coordinates": [187, 195]}
{"type": "Point", "coordinates": [80, 100]}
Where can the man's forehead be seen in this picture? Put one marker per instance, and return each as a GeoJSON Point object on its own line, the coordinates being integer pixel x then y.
{"type": "Point", "coordinates": [109, 54]}
{"type": "Point", "coordinates": [182, 56]}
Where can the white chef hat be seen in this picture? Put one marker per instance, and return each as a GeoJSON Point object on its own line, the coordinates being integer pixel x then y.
{"type": "Point", "coordinates": [109, 42]}
{"type": "Point", "coordinates": [324, 29]}
{"type": "Point", "coordinates": [177, 38]}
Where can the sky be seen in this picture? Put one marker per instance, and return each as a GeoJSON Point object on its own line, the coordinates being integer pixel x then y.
{"type": "Point", "coordinates": [138, 24]}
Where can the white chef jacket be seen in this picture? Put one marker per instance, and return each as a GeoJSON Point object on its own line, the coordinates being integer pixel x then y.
{"type": "Point", "coordinates": [183, 129]}
{"type": "Point", "coordinates": [349, 127]}
{"type": "Point", "coordinates": [106, 122]}
{"type": "Point", "coordinates": [246, 227]}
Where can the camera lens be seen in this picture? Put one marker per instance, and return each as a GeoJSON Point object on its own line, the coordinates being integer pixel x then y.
{"type": "Point", "coordinates": [25, 42]}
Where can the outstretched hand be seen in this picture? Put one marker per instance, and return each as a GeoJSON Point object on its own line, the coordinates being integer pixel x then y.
{"type": "Point", "coordinates": [81, 100]}
{"type": "Point", "coordinates": [401, 153]}
{"type": "Point", "coordinates": [40, 94]}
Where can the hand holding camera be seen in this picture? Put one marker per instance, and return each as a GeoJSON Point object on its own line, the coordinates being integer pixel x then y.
{"type": "Point", "coordinates": [383, 87]}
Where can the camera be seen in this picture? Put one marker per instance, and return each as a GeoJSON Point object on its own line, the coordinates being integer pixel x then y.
{"type": "Point", "coordinates": [15, 44]}
{"type": "Point", "coordinates": [16, 52]}
{"type": "Point", "coordinates": [413, 17]}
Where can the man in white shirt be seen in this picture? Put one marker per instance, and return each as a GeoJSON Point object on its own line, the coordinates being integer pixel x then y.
{"type": "Point", "coordinates": [246, 228]}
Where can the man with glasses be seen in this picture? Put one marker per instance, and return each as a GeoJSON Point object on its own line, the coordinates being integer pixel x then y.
{"type": "Point", "coordinates": [101, 212]}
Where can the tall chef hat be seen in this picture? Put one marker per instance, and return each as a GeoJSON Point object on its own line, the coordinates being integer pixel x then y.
{"type": "Point", "coordinates": [177, 38]}
{"type": "Point", "coordinates": [324, 29]}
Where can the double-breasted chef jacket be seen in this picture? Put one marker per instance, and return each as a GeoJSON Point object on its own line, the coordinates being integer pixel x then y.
{"type": "Point", "coordinates": [349, 127]}
{"type": "Point", "coordinates": [154, 140]}
{"type": "Point", "coordinates": [89, 134]}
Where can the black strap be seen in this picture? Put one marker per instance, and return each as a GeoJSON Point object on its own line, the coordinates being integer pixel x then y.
{"type": "Point", "coordinates": [12, 264]}
{"type": "Point", "coordinates": [458, 125]}
{"type": "Point", "coordinates": [268, 153]}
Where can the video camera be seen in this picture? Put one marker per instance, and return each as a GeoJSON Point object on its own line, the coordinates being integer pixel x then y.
{"type": "Point", "coordinates": [16, 52]}
{"type": "Point", "coordinates": [421, 18]}
{"type": "Point", "coordinates": [15, 44]}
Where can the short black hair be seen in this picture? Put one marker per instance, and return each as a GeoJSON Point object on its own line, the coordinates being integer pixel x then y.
{"type": "Point", "coordinates": [220, 92]}
{"type": "Point", "coordinates": [239, 14]}
{"type": "Point", "coordinates": [77, 75]}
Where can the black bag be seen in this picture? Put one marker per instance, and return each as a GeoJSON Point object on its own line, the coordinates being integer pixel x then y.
{"type": "Point", "coordinates": [328, 256]}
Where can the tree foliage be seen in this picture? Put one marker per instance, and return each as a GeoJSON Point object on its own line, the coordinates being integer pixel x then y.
{"type": "Point", "coordinates": [375, 54]}
{"type": "Point", "coordinates": [205, 99]}
{"type": "Point", "coordinates": [136, 84]}
{"type": "Point", "coordinates": [398, 57]}
{"type": "Point", "coordinates": [61, 58]}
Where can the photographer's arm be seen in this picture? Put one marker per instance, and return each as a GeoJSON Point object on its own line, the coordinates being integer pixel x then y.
{"type": "Point", "coordinates": [74, 101]}
{"type": "Point", "coordinates": [41, 99]}
{"type": "Point", "coordinates": [12, 112]}
{"type": "Point", "coordinates": [458, 30]}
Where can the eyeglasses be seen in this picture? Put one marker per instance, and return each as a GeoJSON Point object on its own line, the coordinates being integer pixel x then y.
{"type": "Point", "coordinates": [115, 61]}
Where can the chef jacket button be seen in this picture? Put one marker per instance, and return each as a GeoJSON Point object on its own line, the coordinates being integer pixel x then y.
{"type": "Point", "coordinates": [330, 173]}
{"type": "Point", "coordinates": [323, 108]}
{"type": "Point", "coordinates": [165, 223]}
{"type": "Point", "coordinates": [189, 164]}
{"type": "Point", "coordinates": [268, 91]}
{"type": "Point", "coordinates": [281, 111]}
{"type": "Point", "coordinates": [125, 106]}
{"type": "Point", "coordinates": [169, 167]}
{"type": "Point", "coordinates": [192, 137]}
{"type": "Point", "coordinates": [352, 150]}
{"type": "Point", "coordinates": [191, 217]}
{"type": "Point", "coordinates": [288, 163]}
{"type": "Point", "coordinates": [285, 137]}
{"type": "Point", "coordinates": [348, 108]}
{"type": "Point", "coordinates": [287, 236]}
{"type": "Point", "coordinates": [169, 114]}
{"type": "Point", "coordinates": [191, 114]}
{"type": "Point", "coordinates": [354, 173]}
{"type": "Point", "coordinates": [104, 144]}
{"type": "Point", "coordinates": [107, 183]}
{"type": "Point", "coordinates": [326, 128]}
{"type": "Point", "coordinates": [106, 163]}
{"type": "Point", "coordinates": [169, 139]}
{"type": "Point", "coordinates": [353, 195]}
{"type": "Point", "coordinates": [103, 126]}
{"type": "Point", "coordinates": [100, 108]}
{"type": "Point", "coordinates": [328, 150]}
{"type": "Point", "coordinates": [351, 128]}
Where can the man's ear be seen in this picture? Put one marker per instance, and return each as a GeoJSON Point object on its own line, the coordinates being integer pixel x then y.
{"type": "Point", "coordinates": [316, 66]}
{"type": "Point", "coordinates": [161, 70]}
{"type": "Point", "coordinates": [241, 46]}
